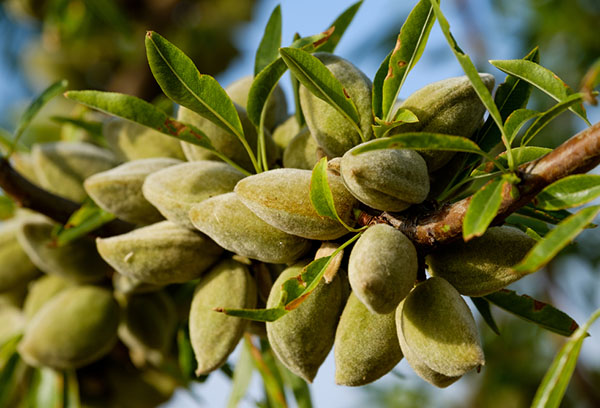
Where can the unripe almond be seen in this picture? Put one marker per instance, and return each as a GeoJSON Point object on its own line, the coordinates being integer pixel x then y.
{"type": "Point", "coordinates": [301, 152]}
{"type": "Point", "coordinates": [41, 291]}
{"type": "Point", "coordinates": [214, 335]}
{"type": "Point", "coordinates": [484, 264]}
{"type": "Point", "coordinates": [382, 268]}
{"type": "Point", "coordinates": [15, 267]}
{"type": "Point", "coordinates": [284, 133]}
{"type": "Point", "coordinates": [437, 333]}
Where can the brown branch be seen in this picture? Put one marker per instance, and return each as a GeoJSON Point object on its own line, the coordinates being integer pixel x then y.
{"type": "Point", "coordinates": [28, 195]}
{"type": "Point", "coordinates": [577, 155]}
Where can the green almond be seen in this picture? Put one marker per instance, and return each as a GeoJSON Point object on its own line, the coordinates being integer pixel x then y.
{"type": "Point", "coordinates": [15, 267]}
{"type": "Point", "coordinates": [284, 133]}
{"type": "Point", "coordinates": [41, 291]}
{"type": "Point", "coordinates": [301, 152]}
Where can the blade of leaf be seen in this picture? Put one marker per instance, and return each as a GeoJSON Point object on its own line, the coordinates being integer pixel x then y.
{"type": "Point", "coordinates": [542, 78]}
{"type": "Point", "coordinates": [556, 240]}
{"type": "Point", "coordinates": [299, 387]}
{"type": "Point", "coordinates": [549, 115]}
{"type": "Point", "coordinates": [483, 307]}
{"type": "Point", "coordinates": [523, 154]}
{"type": "Point", "coordinates": [7, 207]}
{"type": "Point", "coordinates": [241, 376]}
{"type": "Point", "coordinates": [267, 79]}
{"type": "Point", "coordinates": [551, 217]}
{"type": "Point", "coordinates": [296, 91]}
{"type": "Point", "coordinates": [511, 95]}
{"type": "Point", "coordinates": [273, 388]}
{"type": "Point", "coordinates": [590, 81]}
{"type": "Point", "coordinates": [49, 388]}
{"type": "Point", "coordinates": [313, 74]}
{"type": "Point", "coordinates": [554, 384]}
{"type": "Point", "coordinates": [185, 353]}
{"type": "Point", "coordinates": [71, 390]}
{"type": "Point", "coordinates": [341, 23]}
{"type": "Point", "coordinates": [86, 219]}
{"type": "Point", "coordinates": [180, 80]}
{"type": "Point", "coordinates": [377, 94]}
{"type": "Point", "coordinates": [482, 209]}
{"type": "Point", "coordinates": [516, 121]}
{"type": "Point", "coordinates": [94, 128]}
{"type": "Point", "coordinates": [544, 315]}
{"type": "Point", "coordinates": [142, 112]}
{"type": "Point", "coordinates": [36, 105]}
{"type": "Point", "coordinates": [465, 61]}
{"type": "Point", "coordinates": [518, 220]}
{"type": "Point", "coordinates": [402, 116]}
{"type": "Point", "coordinates": [268, 49]}
{"type": "Point", "coordinates": [569, 192]}
{"type": "Point", "coordinates": [409, 48]}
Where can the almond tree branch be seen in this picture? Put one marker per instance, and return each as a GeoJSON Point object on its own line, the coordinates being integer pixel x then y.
{"type": "Point", "coordinates": [28, 195]}
{"type": "Point", "coordinates": [579, 154]}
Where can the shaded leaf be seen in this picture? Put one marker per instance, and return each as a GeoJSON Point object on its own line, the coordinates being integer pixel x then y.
{"type": "Point", "coordinates": [551, 217]}
{"type": "Point", "coordinates": [482, 209]}
{"type": "Point", "coordinates": [296, 91]}
{"type": "Point", "coordinates": [407, 52]}
{"type": "Point", "coordinates": [523, 222]}
{"type": "Point", "coordinates": [241, 376]}
{"type": "Point", "coordinates": [185, 353]}
{"type": "Point", "coordinates": [556, 240]}
{"type": "Point", "coordinates": [92, 127]}
{"type": "Point", "coordinates": [86, 219]}
{"type": "Point", "coordinates": [483, 307]}
{"type": "Point", "coordinates": [516, 120]}
{"type": "Point", "coordinates": [48, 388]}
{"type": "Point", "coordinates": [402, 116]}
{"type": "Point", "coordinates": [540, 313]}
{"type": "Point", "coordinates": [268, 49]}
{"type": "Point", "coordinates": [9, 373]}
{"type": "Point", "coordinates": [521, 155]}
{"type": "Point", "coordinates": [315, 77]}
{"type": "Point", "coordinates": [542, 78]}
{"type": "Point", "coordinates": [7, 207]}
{"type": "Point", "coordinates": [71, 392]}
{"type": "Point", "coordinates": [590, 81]}
{"type": "Point", "coordinates": [569, 192]}
{"type": "Point", "coordinates": [377, 94]}
{"type": "Point", "coordinates": [552, 389]}
{"type": "Point", "coordinates": [340, 24]}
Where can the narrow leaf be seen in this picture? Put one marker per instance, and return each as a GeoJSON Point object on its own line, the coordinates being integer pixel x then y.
{"type": "Point", "coordinates": [273, 387]}
{"type": "Point", "coordinates": [259, 315]}
{"type": "Point", "coordinates": [274, 393]}
{"type": "Point", "coordinates": [482, 209]}
{"type": "Point", "coordinates": [516, 121]}
{"type": "Point", "coordinates": [590, 81]}
{"type": "Point", "coordinates": [483, 307]}
{"type": "Point", "coordinates": [554, 384]}
{"type": "Point", "coordinates": [268, 50]}
{"type": "Point", "coordinates": [409, 48]}
{"type": "Point", "coordinates": [569, 192]}
{"type": "Point", "coordinates": [551, 217]}
{"type": "Point", "coordinates": [544, 315]}
{"type": "Point", "coordinates": [298, 385]}
{"type": "Point", "coordinates": [296, 91]}
{"type": "Point", "coordinates": [377, 94]}
{"type": "Point", "coordinates": [38, 103]}
{"type": "Point", "coordinates": [313, 74]}
{"type": "Point", "coordinates": [241, 376]}
{"type": "Point", "coordinates": [556, 240]}
{"type": "Point", "coordinates": [523, 222]}
{"type": "Point", "coordinates": [86, 219]}
{"type": "Point", "coordinates": [542, 78]}
{"type": "Point", "coordinates": [92, 127]}
{"type": "Point", "coordinates": [341, 24]}
{"type": "Point", "coordinates": [7, 207]}
{"type": "Point", "coordinates": [549, 115]}
{"type": "Point", "coordinates": [71, 392]}
{"type": "Point", "coordinates": [185, 354]}
{"type": "Point", "coordinates": [402, 116]}
{"type": "Point", "coordinates": [511, 95]}
{"type": "Point", "coordinates": [521, 155]}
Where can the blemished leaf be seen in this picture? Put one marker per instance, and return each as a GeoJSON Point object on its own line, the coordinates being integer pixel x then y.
{"type": "Point", "coordinates": [542, 78]}
{"type": "Point", "coordinates": [516, 121]}
{"type": "Point", "coordinates": [180, 80]}
{"type": "Point", "coordinates": [569, 192]}
{"type": "Point", "coordinates": [267, 79]}
{"type": "Point", "coordinates": [241, 376]}
{"type": "Point", "coordinates": [341, 23]}
{"type": "Point", "coordinates": [521, 155]}
{"type": "Point", "coordinates": [86, 219]}
{"type": "Point", "coordinates": [544, 315]}
{"type": "Point", "coordinates": [71, 389]}
{"type": "Point", "coordinates": [268, 49]}
{"type": "Point", "coordinates": [381, 128]}
{"type": "Point", "coordinates": [556, 240]}
{"type": "Point", "coordinates": [511, 95]}
{"type": "Point", "coordinates": [321, 196]}
{"type": "Point", "coordinates": [467, 65]}
{"type": "Point", "coordinates": [482, 209]}
{"type": "Point", "coordinates": [7, 207]}
{"type": "Point", "coordinates": [483, 307]}
{"type": "Point", "coordinates": [377, 93]}
{"type": "Point", "coordinates": [549, 115]}
{"type": "Point", "coordinates": [407, 52]}
{"type": "Point", "coordinates": [554, 384]}
{"type": "Point", "coordinates": [142, 112]}
{"type": "Point", "coordinates": [36, 105]}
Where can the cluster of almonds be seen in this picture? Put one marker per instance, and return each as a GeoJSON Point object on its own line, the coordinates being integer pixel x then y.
{"type": "Point", "coordinates": [236, 234]}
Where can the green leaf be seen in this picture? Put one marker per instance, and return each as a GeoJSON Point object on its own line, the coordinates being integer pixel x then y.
{"type": "Point", "coordinates": [89, 217]}
{"type": "Point", "coordinates": [268, 50]}
{"type": "Point", "coordinates": [549, 115]}
{"type": "Point", "coordinates": [590, 81]}
{"type": "Point", "coordinates": [185, 353]}
{"type": "Point", "coordinates": [71, 386]}
{"type": "Point", "coordinates": [377, 94]}
{"type": "Point", "coordinates": [272, 381]}
{"type": "Point", "coordinates": [516, 120]}
{"type": "Point", "coordinates": [92, 127]}
{"type": "Point", "coordinates": [523, 222]}
{"type": "Point", "coordinates": [313, 74]}
{"type": "Point", "coordinates": [267, 79]}
{"type": "Point", "coordinates": [142, 112]}
{"type": "Point", "coordinates": [409, 48]}
{"type": "Point", "coordinates": [483, 307]}
{"type": "Point", "coordinates": [180, 80]}
{"type": "Point", "coordinates": [554, 384]}
{"type": "Point", "coordinates": [321, 197]}
{"type": "Point", "coordinates": [381, 128]}
{"type": "Point", "coordinates": [7, 207]}
{"type": "Point", "coordinates": [544, 315]}
{"type": "Point", "coordinates": [341, 24]}
{"type": "Point", "coordinates": [521, 155]}
{"type": "Point", "coordinates": [482, 209]}
{"type": "Point", "coordinates": [241, 376]}
{"type": "Point", "coordinates": [9, 376]}
{"type": "Point", "coordinates": [471, 72]}
{"type": "Point", "coordinates": [296, 91]}
{"type": "Point", "coordinates": [38, 103]}
{"type": "Point", "coordinates": [551, 217]}
{"type": "Point", "coordinates": [569, 192]}
{"type": "Point", "coordinates": [511, 95]}
{"type": "Point", "coordinates": [298, 385]}
{"type": "Point", "coordinates": [542, 78]}
{"type": "Point", "coordinates": [48, 388]}
{"type": "Point", "coordinates": [556, 240]}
